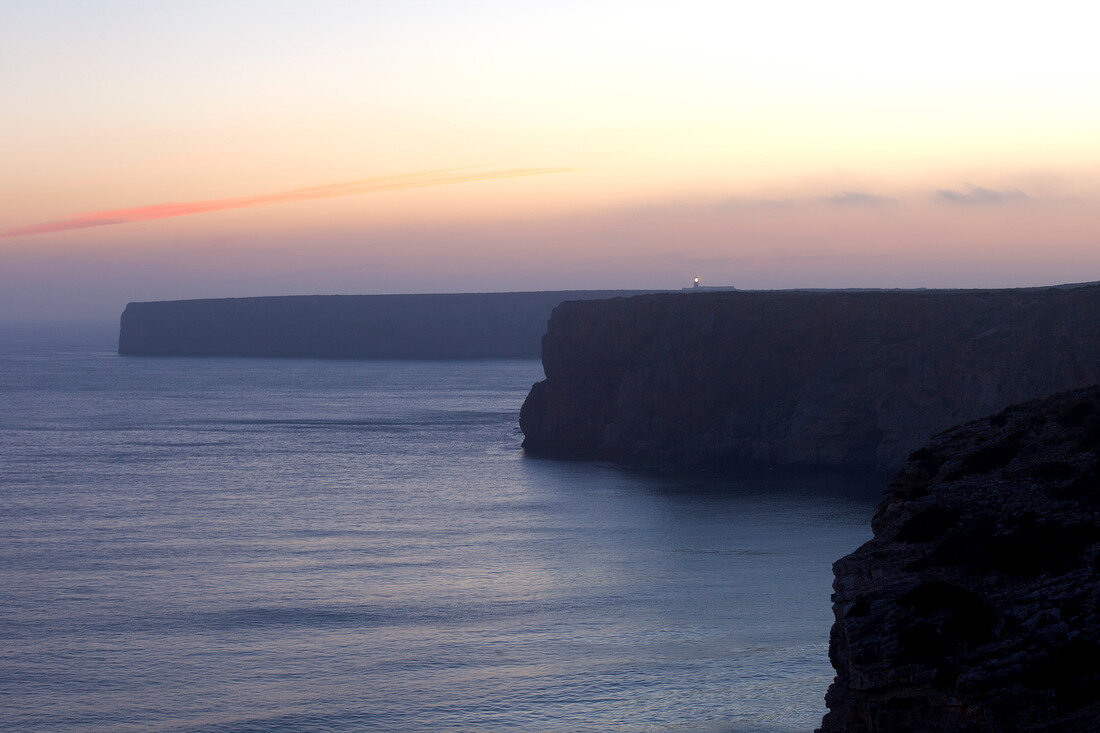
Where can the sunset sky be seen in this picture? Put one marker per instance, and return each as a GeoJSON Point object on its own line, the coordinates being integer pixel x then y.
{"type": "Point", "coordinates": [156, 150]}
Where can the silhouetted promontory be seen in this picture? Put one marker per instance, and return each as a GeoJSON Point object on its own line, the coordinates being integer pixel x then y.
{"type": "Point", "coordinates": [976, 606]}
{"type": "Point", "coordinates": [852, 379]}
{"type": "Point", "coordinates": [443, 326]}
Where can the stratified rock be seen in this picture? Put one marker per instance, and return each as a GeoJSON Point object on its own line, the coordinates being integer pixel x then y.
{"type": "Point", "coordinates": [977, 604]}
{"type": "Point", "coordinates": [833, 378]}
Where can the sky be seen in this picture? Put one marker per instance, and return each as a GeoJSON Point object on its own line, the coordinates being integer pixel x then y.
{"type": "Point", "coordinates": [154, 150]}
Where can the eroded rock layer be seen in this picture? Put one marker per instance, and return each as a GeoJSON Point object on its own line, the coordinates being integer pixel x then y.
{"type": "Point", "coordinates": [977, 604]}
{"type": "Point", "coordinates": [831, 378]}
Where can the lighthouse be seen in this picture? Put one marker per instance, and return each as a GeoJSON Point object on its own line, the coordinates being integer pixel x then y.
{"type": "Point", "coordinates": [698, 288]}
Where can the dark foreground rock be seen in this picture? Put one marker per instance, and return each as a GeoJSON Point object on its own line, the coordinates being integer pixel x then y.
{"type": "Point", "coordinates": [977, 604]}
{"type": "Point", "coordinates": [840, 378]}
{"type": "Point", "coordinates": [446, 326]}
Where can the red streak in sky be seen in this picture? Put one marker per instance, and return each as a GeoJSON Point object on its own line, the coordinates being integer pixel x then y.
{"type": "Point", "coordinates": [164, 211]}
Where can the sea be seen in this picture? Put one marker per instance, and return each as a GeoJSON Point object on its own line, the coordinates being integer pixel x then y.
{"type": "Point", "coordinates": [230, 544]}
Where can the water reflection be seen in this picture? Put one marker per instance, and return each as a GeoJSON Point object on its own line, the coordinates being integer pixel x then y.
{"type": "Point", "coordinates": [280, 545]}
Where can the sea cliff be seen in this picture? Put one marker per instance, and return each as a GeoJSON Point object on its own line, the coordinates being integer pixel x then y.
{"type": "Point", "coordinates": [852, 379]}
{"type": "Point", "coordinates": [977, 604]}
{"type": "Point", "coordinates": [444, 326]}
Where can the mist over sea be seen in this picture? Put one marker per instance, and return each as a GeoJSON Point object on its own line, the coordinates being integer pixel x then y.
{"type": "Point", "coordinates": [263, 544]}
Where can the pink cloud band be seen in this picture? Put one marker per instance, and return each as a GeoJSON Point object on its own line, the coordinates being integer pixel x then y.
{"type": "Point", "coordinates": [372, 185]}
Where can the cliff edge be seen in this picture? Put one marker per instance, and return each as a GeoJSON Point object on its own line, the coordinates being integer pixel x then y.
{"type": "Point", "coordinates": [853, 379]}
{"type": "Point", "coordinates": [976, 606]}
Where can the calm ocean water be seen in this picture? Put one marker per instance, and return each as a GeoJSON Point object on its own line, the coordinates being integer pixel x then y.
{"type": "Point", "coordinates": [247, 545]}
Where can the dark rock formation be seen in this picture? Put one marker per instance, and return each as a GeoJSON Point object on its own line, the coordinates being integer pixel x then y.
{"type": "Point", "coordinates": [840, 378]}
{"type": "Point", "coordinates": [977, 604]}
{"type": "Point", "coordinates": [451, 326]}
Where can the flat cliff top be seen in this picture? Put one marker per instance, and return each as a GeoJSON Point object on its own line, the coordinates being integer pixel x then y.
{"type": "Point", "coordinates": [977, 604]}
{"type": "Point", "coordinates": [832, 298]}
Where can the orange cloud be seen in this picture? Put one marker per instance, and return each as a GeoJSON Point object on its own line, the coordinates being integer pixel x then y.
{"type": "Point", "coordinates": [372, 185]}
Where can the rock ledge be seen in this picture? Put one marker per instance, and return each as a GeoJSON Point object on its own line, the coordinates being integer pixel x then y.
{"type": "Point", "coordinates": [977, 604]}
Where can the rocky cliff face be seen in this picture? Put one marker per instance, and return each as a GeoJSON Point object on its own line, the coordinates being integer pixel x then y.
{"type": "Point", "coordinates": [977, 604]}
{"type": "Point", "coordinates": [841, 378]}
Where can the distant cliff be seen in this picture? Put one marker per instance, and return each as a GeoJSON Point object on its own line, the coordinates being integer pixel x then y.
{"type": "Point", "coordinates": [812, 378]}
{"type": "Point", "coordinates": [977, 604]}
{"type": "Point", "coordinates": [447, 326]}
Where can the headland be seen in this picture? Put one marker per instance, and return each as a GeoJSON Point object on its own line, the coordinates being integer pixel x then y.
{"type": "Point", "coordinates": [431, 326]}
{"type": "Point", "coordinates": [853, 379]}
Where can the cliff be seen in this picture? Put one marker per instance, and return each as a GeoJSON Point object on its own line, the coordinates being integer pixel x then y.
{"type": "Point", "coordinates": [977, 604]}
{"type": "Point", "coordinates": [812, 378]}
{"type": "Point", "coordinates": [449, 326]}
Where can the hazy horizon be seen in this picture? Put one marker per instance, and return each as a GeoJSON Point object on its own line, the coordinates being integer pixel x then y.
{"type": "Point", "coordinates": [165, 151]}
